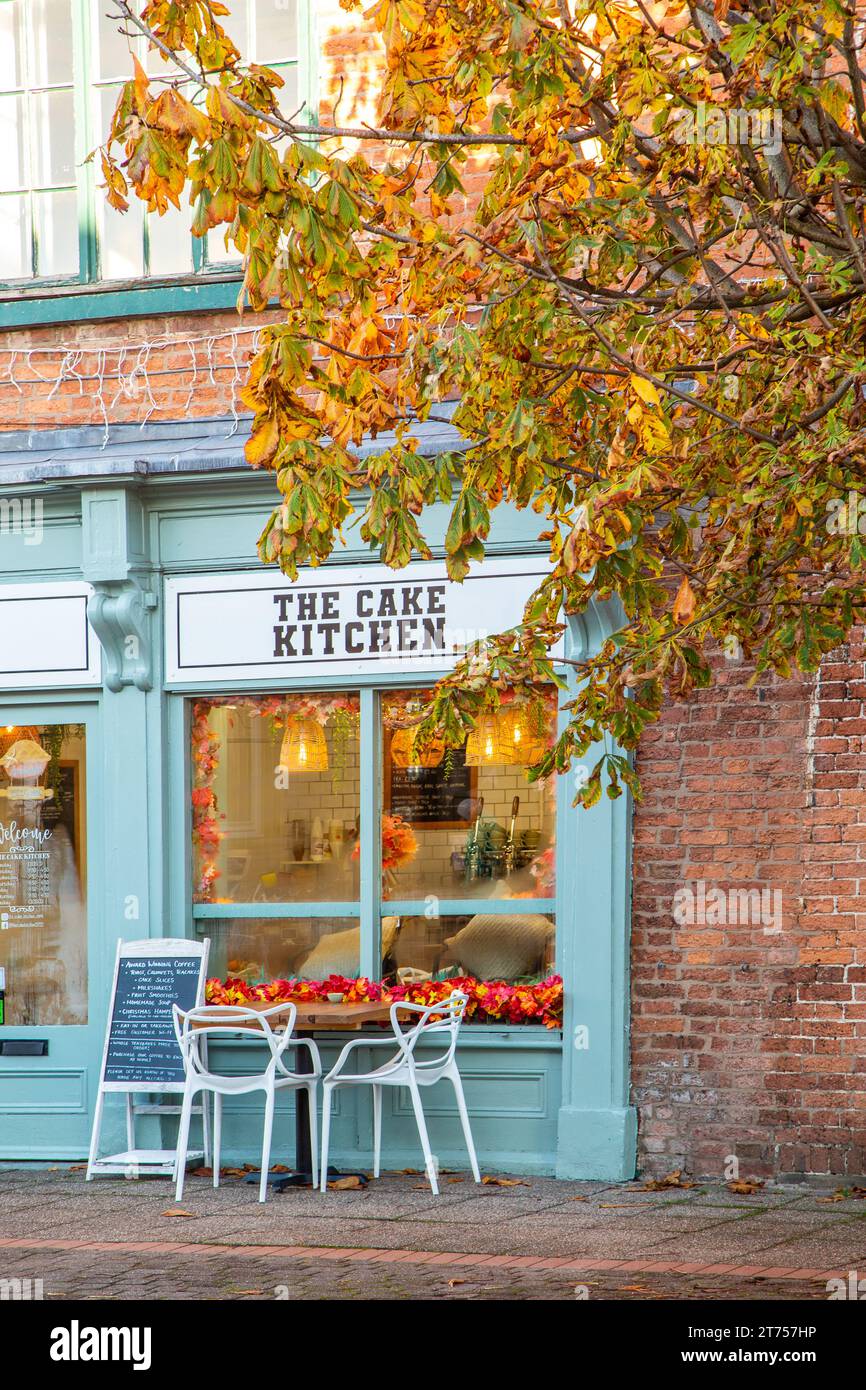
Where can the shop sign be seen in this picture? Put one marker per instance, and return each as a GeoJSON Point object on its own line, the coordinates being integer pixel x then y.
{"type": "Point", "coordinates": [367, 620]}
{"type": "Point", "coordinates": [45, 640]}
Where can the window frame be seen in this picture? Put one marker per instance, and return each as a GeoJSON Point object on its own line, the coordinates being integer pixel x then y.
{"type": "Point", "coordinates": [371, 905]}
{"type": "Point", "coordinates": [32, 300]}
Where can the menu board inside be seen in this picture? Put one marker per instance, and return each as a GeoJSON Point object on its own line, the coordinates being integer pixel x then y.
{"type": "Point", "coordinates": [43, 916]}
{"type": "Point", "coordinates": [442, 795]}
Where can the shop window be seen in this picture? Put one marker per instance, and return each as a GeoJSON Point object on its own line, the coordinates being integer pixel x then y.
{"type": "Point", "coordinates": [466, 822]}
{"type": "Point", "coordinates": [309, 861]}
{"type": "Point", "coordinates": [517, 948]}
{"type": "Point", "coordinates": [276, 799]}
{"type": "Point", "coordinates": [43, 874]}
{"type": "Point", "coordinates": [258, 949]}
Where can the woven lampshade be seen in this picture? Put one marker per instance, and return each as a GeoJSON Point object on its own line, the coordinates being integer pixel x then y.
{"type": "Point", "coordinates": [485, 746]}
{"type": "Point", "coordinates": [405, 752]}
{"type": "Point", "coordinates": [520, 735]}
{"type": "Point", "coordinates": [304, 748]}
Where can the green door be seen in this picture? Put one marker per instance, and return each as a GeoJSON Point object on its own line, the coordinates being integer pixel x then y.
{"type": "Point", "coordinates": [51, 949]}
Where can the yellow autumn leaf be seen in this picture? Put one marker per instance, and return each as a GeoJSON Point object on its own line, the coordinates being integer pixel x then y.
{"type": "Point", "coordinates": [645, 390]}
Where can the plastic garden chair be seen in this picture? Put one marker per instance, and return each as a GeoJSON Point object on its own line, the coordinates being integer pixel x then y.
{"type": "Point", "coordinates": [439, 1023]}
{"type": "Point", "coordinates": [212, 1021]}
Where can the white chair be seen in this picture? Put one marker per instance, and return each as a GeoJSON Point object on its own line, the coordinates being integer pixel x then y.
{"type": "Point", "coordinates": [196, 1026]}
{"type": "Point", "coordinates": [403, 1069]}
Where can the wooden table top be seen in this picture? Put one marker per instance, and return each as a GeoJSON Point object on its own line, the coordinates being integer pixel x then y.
{"type": "Point", "coordinates": [315, 1015]}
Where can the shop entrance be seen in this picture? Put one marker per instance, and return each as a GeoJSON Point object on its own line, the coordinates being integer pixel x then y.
{"type": "Point", "coordinates": [49, 955]}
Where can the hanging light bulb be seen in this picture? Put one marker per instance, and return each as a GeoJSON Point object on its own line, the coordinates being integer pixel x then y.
{"type": "Point", "coordinates": [406, 752]}
{"type": "Point", "coordinates": [304, 748]}
{"type": "Point", "coordinates": [484, 746]}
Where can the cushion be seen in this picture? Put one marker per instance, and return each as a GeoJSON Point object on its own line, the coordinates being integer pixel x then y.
{"type": "Point", "coordinates": [338, 953]}
{"type": "Point", "coordinates": [500, 947]}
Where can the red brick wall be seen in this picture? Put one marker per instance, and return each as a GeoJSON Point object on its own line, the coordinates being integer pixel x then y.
{"type": "Point", "coordinates": [747, 1042]}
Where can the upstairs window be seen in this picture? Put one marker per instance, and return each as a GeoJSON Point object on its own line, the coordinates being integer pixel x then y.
{"type": "Point", "coordinates": [62, 63]}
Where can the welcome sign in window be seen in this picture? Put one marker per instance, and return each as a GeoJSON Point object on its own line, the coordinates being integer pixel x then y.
{"type": "Point", "coordinates": [43, 873]}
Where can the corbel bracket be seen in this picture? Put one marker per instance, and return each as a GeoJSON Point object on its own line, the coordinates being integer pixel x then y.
{"type": "Point", "coordinates": [118, 613]}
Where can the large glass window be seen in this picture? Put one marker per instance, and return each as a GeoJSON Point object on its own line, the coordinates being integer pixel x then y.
{"type": "Point", "coordinates": [328, 841]}
{"type": "Point", "coordinates": [62, 63]}
{"type": "Point", "coordinates": [43, 873]}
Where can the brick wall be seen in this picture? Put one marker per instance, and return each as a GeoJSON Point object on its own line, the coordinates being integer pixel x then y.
{"type": "Point", "coordinates": [748, 1040]}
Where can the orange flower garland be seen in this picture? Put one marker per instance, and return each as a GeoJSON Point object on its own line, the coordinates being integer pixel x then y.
{"type": "Point", "coordinates": [491, 1001]}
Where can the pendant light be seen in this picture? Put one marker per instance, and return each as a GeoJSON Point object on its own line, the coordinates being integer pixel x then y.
{"type": "Point", "coordinates": [484, 746]}
{"type": "Point", "coordinates": [304, 747]}
{"type": "Point", "coordinates": [521, 737]}
{"type": "Point", "coordinates": [406, 752]}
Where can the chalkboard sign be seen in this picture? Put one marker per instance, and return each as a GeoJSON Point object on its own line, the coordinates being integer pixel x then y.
{"type": "Point", "coordinates": [142, 1046]}
{"type": "Point", "coordinates": [141, 1053]}
{"type": "Point", "coordinates": [443, 795]}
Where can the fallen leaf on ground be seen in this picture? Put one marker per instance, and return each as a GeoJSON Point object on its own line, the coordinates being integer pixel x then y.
{"type": "Point", "coordinates": [452, 1283]}
{"type": "Point", "coordinates": [78, 1168]}
{"type": "Point", "coordinates": [745, 1186]}
{"type": "Point", "coordinates": [674, 1179]}
{"type": "Point", "coordinates": [251, 1168]}
{"type": "Point", "coordinates": [578, 1199]}
{"type": "Point", "coordinates": [239, 1292]}
{"type": "Point", "coordinates": [504, 1182]}
{"type": "Point", "coordinates": [845, 1194]}
{"type": "Point", "coordinates": [175, 1211]}
{"type": "Point", "coordinates": [279, 1168]}
{"type": "Point", "coordinates": [409, 1172]}
{"type": "Point", "coordinates": [455, 1179]}
{"type": "Point", "coordinates": [343, 1184]}
{"type": "Point", "coordinates": [630, 1288]}
{"type": "Point", "coordinates": [233, 1172]}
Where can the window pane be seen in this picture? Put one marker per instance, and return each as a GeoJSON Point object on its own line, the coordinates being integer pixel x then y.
{"type": "Point", "coordinates": [13, 165]}
{"type": "Point", "coordinates": [121, 240]}
{"type": "Point", "coordinates": [14, 238]}
{"type": "Point", "coordinates": [43, 873]}
{"type": "Point", "coordinates": [217, 251]}
{"type": "Point", "coordinates": [113, 51]}
{"type": "Point", "coordinates": [121, 234]}
{"type": "Point", "coordinates": [258, 949]}
{"type": "Point", "coordinates": [276, 30]}
{"type": "Point", "coordinates": [287, 96]}
{"type": "Point", "coordinates": [52, 138]}
{"type": "Point", "coordinates": [276, 798]}
{"type": "Point", "coordinates": [56, 222]}
{"type": "Point", "coordinates": [49, 25]}
{"type": "Point", "coordinates": [236, 25]}
{"type": "Point", "coordinates": [467, 823]}
{"type": "Point", "coordinates": [495, 945]}
{"type": "Point", "coordinates": [11, 45]}
{"type": "Point", "coordinates": [170, 241]}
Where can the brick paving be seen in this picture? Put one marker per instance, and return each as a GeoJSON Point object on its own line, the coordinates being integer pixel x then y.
{"type": "Point", "coordinates": [217, 1274]}
{"type": "Point", "coordinates": [117, 1239]}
